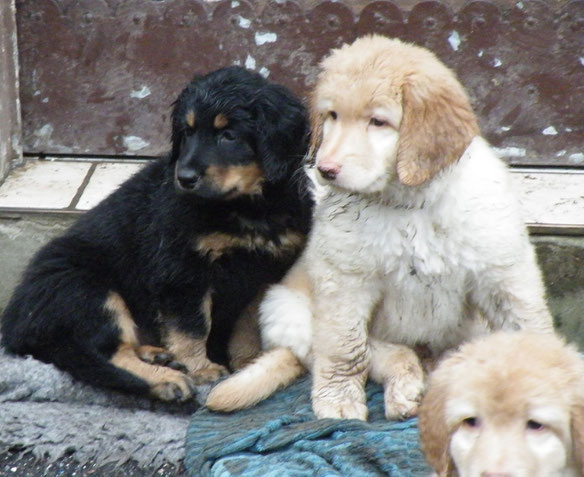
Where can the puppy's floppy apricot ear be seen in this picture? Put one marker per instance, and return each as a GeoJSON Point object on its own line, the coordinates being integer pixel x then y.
{"type": "Point", "coordinates": [315, 132]}
{"type": "Point", "coordinates": [577, 419]}
{"type": "Point", "coordinates": [282, 131]}
{"type": "Point", "coordinates": [437, 126]}
{"type": "Point", "coordinates": [434, 434]}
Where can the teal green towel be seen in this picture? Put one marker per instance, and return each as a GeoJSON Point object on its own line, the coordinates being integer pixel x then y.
{"type": "Point", "coordinates": [280, 437]}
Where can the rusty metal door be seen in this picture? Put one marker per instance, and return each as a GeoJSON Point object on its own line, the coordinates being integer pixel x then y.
{"type": "Point", "coordinates": [98, 76]}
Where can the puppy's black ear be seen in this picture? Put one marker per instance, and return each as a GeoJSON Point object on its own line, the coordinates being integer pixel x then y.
{"type": "Point", "coordinates": [282, 131]}
{"type": "Point", "coordinates": [177, 131]}
{"type": "Point", "coordinates": [180, 116]}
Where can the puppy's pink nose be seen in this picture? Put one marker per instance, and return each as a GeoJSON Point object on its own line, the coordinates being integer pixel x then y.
{"type": "Point", "coordinates": [329, 171]}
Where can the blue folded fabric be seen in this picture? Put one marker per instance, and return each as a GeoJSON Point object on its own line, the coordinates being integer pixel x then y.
{"type": "Point", "coordinates": [280, 437]}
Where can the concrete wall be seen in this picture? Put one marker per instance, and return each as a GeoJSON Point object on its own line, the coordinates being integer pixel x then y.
{"type": "Point", "coordinates": [10, 123]}
{"type": "Point", "coordinates": [561, 260]}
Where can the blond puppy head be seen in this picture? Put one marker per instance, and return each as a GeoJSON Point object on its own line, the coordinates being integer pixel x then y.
{"type": "Point", "coordinates": [383, 108]}
{"type": "Point", "coordinates": [508, 405]}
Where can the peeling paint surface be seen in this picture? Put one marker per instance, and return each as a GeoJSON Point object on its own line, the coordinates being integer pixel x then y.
{"type": "Point", "coordinates": [142, 93]}
{"type": "Point", "coordinates": [250, 63]}
{"type": "Point", "coordinates": [134, 143]}
{"type": "Point", "coordinates": [243, 22]}
{"type": "Point", "coordinates": [101, 55]}
{"type": "Point", "coordinates": [454, 40]}
{"type": "Point", "coordinates": [263, 38]}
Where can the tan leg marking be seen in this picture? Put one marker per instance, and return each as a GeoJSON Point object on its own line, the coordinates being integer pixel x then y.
{"type": "Point", "coordinates": [207, 308]}
{"type": "Point", "coordinates": [192, 352]}
{"type": "Point", "coordinates": [165, 383]}
{"type": "Point", "coordinates": [122, 317]}
{"type": "Point", "coordinates": [244, 345]}
{"type": "Point", "coordinates": [144, 361]}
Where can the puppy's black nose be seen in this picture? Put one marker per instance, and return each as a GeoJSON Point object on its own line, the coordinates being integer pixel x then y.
{"type": "Point", "coordinates": [187, 179]}
{"type": "Point", "coordinates": [328, 172]}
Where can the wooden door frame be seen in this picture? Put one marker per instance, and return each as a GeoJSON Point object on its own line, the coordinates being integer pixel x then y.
{"type": "Point", "coordinates": [10, 120]}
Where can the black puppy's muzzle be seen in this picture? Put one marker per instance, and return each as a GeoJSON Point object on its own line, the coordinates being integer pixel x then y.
{"type": "Point", "coordinates": [186, 174]}
{"type": "Point", "coordinates": [186, 178]}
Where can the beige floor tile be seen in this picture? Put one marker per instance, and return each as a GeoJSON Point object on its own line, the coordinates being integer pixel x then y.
{"type": "Point", "coordinates": [105, 179]}
{"type": "Point", "coordinates": [43, 184]}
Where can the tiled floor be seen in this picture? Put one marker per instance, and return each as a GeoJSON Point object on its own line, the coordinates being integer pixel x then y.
{"type": "Point", "coordinates": [105, 178]}
{"type": "Point", "coordinates": [551, 199]}
{"type": "Point", "coordinates": [43, 184]}
{"type": "Point", "coordinates": [63, 185]}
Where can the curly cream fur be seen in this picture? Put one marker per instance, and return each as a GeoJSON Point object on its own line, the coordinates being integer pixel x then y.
{"type": "Point", "coordinates": [417, 236]}
{"type": "Point", "coordinates": [508, 404]}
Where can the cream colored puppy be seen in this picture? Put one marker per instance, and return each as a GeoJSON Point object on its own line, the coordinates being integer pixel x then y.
{"type": "Point", "coordinates": [508, 405]}
{"type": "Point", "coordinates": [417, 239]}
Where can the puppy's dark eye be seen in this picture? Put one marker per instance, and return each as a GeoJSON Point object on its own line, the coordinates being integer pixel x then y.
{"type": "Point", "coordinates": [472, 422]}
{"type": "Point", "coordinates": [227, 136]}
{"type": "Point", "coordinates": [378, 122]}
{"type": "Point", "coordinates": [534, 425]}
{"type": "Point", "coordinates": [332, 115]}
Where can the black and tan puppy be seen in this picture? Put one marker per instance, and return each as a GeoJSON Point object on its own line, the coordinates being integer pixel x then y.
{"type": "Point", "coordinates": [143, 292]}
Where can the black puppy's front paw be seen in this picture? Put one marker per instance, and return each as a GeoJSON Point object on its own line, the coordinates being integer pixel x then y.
{"type": "Point", "coordinates": [175, 387]}
{"type": "Point", "coordinates": [160, 357]}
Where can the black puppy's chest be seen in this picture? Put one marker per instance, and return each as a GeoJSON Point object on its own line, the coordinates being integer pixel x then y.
{"type": "Point", "coordinates": [247, 235]}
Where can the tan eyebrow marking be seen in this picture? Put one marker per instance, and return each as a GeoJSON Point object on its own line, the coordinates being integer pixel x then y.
{"type": "Point", "coordinates": [220, 121]}
{"type": "Point", "coordinates": [190, 118]}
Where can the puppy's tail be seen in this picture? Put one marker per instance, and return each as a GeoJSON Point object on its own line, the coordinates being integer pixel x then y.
{"type": "Point", "coordinates": [273, 370]}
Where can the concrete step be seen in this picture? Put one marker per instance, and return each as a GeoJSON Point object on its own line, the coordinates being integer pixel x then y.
{"type": "Point", "coordinates": [40, 200]}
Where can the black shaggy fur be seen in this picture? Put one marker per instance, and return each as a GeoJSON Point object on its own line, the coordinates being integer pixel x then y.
{"type": "Point", "coordinates": [233, 177]}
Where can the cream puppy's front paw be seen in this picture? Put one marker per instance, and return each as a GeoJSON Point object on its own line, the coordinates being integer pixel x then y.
{"type": "Point", "coordinates": [402, 396]}
{"type": "Point", "coordinates": [329, 408]}
{"type": "Point", "coordinates": [339, 400]}
{"type": "Point", "coordinates": [400, 371]}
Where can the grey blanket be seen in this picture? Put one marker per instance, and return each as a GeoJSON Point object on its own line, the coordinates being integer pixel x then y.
{"type": "Point", "coordinates": [45, 412]}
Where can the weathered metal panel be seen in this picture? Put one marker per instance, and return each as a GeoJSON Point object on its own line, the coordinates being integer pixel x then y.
{"type": "Point", "coordinates": [10, 130]}
{"type": "Point", "coordinates": [98, 76]}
